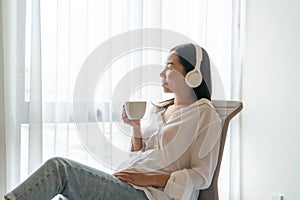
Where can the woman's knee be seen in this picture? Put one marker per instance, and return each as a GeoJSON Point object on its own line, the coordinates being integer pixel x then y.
{"type": "Point", "coordinates": [55, 162]}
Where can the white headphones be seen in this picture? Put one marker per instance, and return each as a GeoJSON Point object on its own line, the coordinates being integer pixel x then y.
{"type": "Point", "coordinates": [194, 78]}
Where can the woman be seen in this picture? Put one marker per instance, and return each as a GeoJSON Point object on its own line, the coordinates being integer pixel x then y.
{"type": "Point", "coordinates": [176, 155]}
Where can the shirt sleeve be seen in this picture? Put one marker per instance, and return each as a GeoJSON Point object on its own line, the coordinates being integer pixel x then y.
{"type": "Point", "coordinates": [183, 183]}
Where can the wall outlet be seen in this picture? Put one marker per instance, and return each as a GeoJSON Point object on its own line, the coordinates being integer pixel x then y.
{"type": "Point", "coordinates": [277, 197]}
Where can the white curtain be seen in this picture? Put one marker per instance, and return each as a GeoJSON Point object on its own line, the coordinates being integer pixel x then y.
{"type": "Point", "coordinates": [10, 165]}
{"type": "Point", "coordinates": [2, 128]}
{"type": "Point", "coordinates": [235, 83]}
{"type": "Point", "coordinates": [46, 43]}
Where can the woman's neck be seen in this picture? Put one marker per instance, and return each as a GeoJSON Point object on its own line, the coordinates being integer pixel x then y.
{"type": "Point", "coordinates": [184, 100]}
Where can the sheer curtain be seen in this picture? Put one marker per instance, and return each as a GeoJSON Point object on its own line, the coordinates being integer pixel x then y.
{"type": "Point", "coordinates": [2, 128]}
{"type": "Point", "coordinates": [47, 43]}
{"type": "Point", "coordinates": [9, 139]}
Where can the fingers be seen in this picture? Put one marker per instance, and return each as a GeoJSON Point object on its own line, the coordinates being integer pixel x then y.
{"type": "Point", "coordinates": [133, 176]}
{"type": "Point", "coordinates": [127, 120]}
{"type": "Point", "coordinates": [124, 176]}
{"type": "Point", "coordinates": [124, 115]}
{"type": "Point", "coordinates": [126, 179]}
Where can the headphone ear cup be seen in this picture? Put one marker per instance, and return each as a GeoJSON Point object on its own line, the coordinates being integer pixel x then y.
{"type": "Point", "coordinates": [193, 78]}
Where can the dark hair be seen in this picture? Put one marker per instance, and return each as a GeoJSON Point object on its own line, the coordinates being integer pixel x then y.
{"type": "Point", "coordinates": [187, 58]}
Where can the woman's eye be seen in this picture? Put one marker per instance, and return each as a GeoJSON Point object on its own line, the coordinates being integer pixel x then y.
{"type": "Point", "coordinates": [169, 67]}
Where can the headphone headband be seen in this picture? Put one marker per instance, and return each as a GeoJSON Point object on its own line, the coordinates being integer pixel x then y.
{"type": "Point", "coordinates": [198, 57]}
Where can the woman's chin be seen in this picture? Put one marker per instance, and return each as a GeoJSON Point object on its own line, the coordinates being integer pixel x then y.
{"type": "Point", "coordinates": [166, 90]}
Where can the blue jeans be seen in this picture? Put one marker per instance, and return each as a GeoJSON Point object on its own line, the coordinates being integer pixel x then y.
{"type": "Point", "coordinates": [74, 181]}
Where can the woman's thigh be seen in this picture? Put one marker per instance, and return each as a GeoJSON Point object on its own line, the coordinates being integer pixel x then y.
{"type": "Point", "coordinates": [74, 181]}
{"type": "Point", "coordinates": [84, 182]}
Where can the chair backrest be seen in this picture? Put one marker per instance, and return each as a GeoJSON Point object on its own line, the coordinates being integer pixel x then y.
{"type": "Point", "coordinates": [226, 110]}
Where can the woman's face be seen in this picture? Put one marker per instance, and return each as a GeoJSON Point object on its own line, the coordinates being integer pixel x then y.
{"type": "Point", "coordinates": [173, 75]}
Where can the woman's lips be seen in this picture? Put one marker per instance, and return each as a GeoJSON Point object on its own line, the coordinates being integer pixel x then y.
{"type": "Point", "coordinates": [164, 83]}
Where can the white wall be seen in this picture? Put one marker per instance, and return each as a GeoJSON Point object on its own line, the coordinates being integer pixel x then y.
{"type": "Point", "coordinates": [271, 96]}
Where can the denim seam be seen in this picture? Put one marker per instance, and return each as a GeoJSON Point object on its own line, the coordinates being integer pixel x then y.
{"type": "Point", "coordinates": [27, 190]}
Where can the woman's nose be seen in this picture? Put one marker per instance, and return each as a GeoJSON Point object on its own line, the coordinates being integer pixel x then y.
{"type": "Point", "coordinates": [162, 73]}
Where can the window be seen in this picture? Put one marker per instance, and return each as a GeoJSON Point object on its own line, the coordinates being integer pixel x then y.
{"type": "Point", "coordinates": [69, 32]}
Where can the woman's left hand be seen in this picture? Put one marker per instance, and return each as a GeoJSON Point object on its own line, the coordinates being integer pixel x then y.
{"type": "Point", "coordinates": [134, 177]}
{"type": "Point", "coordinates": [143, 179]}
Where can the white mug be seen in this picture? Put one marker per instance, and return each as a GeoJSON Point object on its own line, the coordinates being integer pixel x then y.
{"type": "Point", "coordinates": [135, 109]}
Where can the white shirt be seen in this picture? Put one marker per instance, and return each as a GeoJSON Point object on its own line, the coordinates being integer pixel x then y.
{"type": "Point", "coordinates": [186, 146]}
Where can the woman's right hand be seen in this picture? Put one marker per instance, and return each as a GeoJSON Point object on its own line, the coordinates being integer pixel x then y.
{"type": "Point", "coordinates": [136, 142]}
{"type": "Point", "coordinates": [126, 120]}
